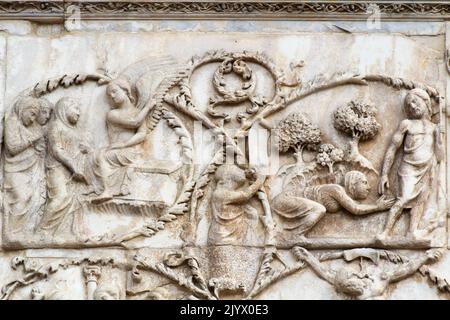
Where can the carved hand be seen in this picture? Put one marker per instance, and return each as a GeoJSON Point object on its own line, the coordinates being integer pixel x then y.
{"type": "Point", "coordinates": [383, 186]}
{"type": "Point", "coordinates": [434, 255]}
{"type": "Point", "coordinates": [39, 144]}
{"type": "Point", "coordinates": [384, 203]}
{"type": "Point", "coordinates": [251, 174]}
{"type": "Point", "coordinates": [301, 252]}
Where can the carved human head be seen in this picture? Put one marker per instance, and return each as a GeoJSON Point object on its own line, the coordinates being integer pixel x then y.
{"type": "Point", "coordinates": [230, 173]}
{"type": "Point", "coordinates": [348, 282]}
{"type": "Point", "coordinates": [119, 91]}
{"type": "Point", "coordinates": [45, 110]}
{"type": "Point", "coordinates": [36, 294]}
{"type": "Point", "coordinates": [356, 185]}
{"type": "Point", "coordinates": [27, 110]}
{"type": "Point", "coordinates": [67, 110]}
{"type": "Point", "coordinates": [159, 293]}
{"type": "Point", "coordinates": [417, 104]}
{"type": "Point", "coordinates": [107, 291]}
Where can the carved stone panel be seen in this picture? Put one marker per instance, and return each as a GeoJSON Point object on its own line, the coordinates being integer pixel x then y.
{"type": "Point", "coordinates": [224, 160]}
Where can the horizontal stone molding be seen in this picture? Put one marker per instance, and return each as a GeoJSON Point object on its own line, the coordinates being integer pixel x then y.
{"type": "Point", "coordinates": [276, 10]}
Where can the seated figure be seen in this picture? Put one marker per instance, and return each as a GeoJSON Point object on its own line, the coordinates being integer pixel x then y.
{"type": "Point", "coordinates": [230, 214]}
{"type": "Point", "coordinates": [126, 134]}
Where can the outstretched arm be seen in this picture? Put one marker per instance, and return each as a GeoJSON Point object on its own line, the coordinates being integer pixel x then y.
{"type": "Point", "coordinates": [132, 121]}
{"type": "Point", "coordinates": [325, 273]}
{"type": "Point", "coordinates": [411, 267]}
{"type": "Point", "coordinates": [396, 142]}
{"type": "Point", "coordinates": [134, 140]}
{"type": "Point", "coordinates": [358, 208]}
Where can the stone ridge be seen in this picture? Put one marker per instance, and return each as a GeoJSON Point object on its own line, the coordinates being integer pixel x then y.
{"type": "Point", "coordinates": [151, 9]}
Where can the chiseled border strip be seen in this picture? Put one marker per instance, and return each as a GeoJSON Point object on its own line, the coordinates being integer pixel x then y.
{"type": "Point", "coordinates": [357, 10]}
{"type": "Point", "coordinates": [32, 10]}
{"type": "Point", "coordinates": [353, 10]}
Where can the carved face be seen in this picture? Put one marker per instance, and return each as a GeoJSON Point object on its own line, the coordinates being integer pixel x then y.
{"type": "Point", "coordinates": [44, 115]}
{"type": "Point", "coordinates": [353, 287]}
{"type": "Point", "coordinates": [415, 107]}
{"type": "Point", "coordinates": [29, 116]}
{"type": "Point", "coordinates": [107, 291]}
{"type": "Point", "coordinates": [117, 95]}
{"type": "Point", "coordinates": [349, 283]}
{"type": "Point", "coordinates": [362, 188]}
{"type": "Point", "coordinates": [36, 294]}
{"type": "Point", "coordinates": [356, 185]}
{"type": "Point", "coordinates": [73, 114]}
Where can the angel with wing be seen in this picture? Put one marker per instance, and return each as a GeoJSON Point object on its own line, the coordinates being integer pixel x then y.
{"type": "Point", "coordinates": [126, 132]}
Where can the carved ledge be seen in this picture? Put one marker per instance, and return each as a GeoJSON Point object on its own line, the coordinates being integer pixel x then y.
{"type": "Point", "coordinates": [51, 11]}
{"type": "Point", "coordinates": [57, 10]}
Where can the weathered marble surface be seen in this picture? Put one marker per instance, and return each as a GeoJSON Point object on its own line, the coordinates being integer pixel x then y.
{"type": "Point", "coordinates": [227, 225]}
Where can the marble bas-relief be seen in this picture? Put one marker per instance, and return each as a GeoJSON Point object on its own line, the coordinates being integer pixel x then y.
{"type": "Point", "coordinates": [151, 220]}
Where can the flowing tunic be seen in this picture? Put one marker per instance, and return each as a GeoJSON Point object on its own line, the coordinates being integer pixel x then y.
{"type": "Point", "coordinates": [415, 168]}
{"type": "Point", "coordinates": [118, 161]}
{"type": "Point", "coordinates": [64, 210]}
{"type": "Point", "coordinates": [24, 176]}
{"type": "Point", "coordinates": [299, 213]}
{"type": "Point", "coordinates": [325, 194]}
{"type": "Point", "coordinates": [229, 224]}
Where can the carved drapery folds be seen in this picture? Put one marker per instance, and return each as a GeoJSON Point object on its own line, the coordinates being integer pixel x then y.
{"type": "Point", "coordinates": [237, 227]}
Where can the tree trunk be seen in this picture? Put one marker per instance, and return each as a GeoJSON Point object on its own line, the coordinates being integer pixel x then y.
{"type": "Point", "coordinates": [330, 168]}
{"type": "Point", "coordinates": [299, 155]}
{"type": "Point", "coordinates": [355, 156]}
{"type": "Point", "coordinates": [353, 150]}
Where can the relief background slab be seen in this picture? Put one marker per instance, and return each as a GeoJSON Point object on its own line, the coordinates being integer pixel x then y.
{"type": "Point", "coordinates": [31, 53]}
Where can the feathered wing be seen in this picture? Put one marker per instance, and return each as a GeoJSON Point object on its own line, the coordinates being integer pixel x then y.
{"type": "Point", "coordinates": [146, 75]}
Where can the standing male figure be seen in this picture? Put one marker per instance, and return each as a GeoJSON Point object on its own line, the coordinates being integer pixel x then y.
{"type": "Point", "coordinates": [422, 149]}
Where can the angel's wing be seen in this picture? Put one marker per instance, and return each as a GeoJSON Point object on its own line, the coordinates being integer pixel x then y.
{"type": "Point", "coordinates": [146, 75]}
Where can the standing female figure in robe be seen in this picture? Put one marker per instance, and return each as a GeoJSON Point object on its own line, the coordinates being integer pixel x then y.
{"type": "Point", "coordinates": [67, 172]}
{"type": "Point", "coordinates": [24, 165]}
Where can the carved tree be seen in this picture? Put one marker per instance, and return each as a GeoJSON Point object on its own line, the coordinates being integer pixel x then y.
{"type": "Point", "coordinates": [357, 120]}
{"type": "Point", "coordinates": [297, 132]}
{"type": "Point", "coordinates": [328, 155]}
